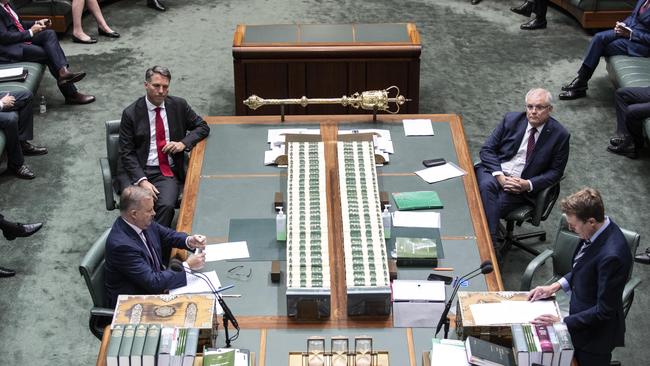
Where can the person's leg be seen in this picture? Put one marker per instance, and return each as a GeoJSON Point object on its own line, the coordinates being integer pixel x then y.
{"type": "Point", "coordinates": [23, 105]}
{"type": "Point", "coordinates": [96, 11]}
{"type": "Point", "coordinates": [596, 49]}
{"type": "Point", "coordinates": [540, 9]}
{"type": "Point", "coordinates": [168, 188]}
{"type": "Point", "coordinates": [592, 359]}
{"type": "Point", "coordinates": [38, 52]}
{"type": "Point", "coordinates": [490, 191]}
{"type": "Point", "coordinates": [77, 24]}
{"type": "Point", "coordinates": [9, 125]}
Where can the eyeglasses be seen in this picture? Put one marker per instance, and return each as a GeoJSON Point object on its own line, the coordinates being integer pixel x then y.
{"type": "Point", "coordinates": [532, 107]}
{"type": "Point", "coordinates": [239, 273]}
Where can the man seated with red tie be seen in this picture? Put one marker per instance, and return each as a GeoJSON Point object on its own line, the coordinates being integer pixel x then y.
{"type": "Point", "coordinates": [33, 41]}
{"type": "Point", "coordinates": [155, 131]}
{"type": "Point", "coordinates": [134, 248]}
{"type": "Point", "coordinates": [526, 153]}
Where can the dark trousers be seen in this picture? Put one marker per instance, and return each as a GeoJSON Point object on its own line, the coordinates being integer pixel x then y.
{"type": "Point", "coordinates": [169, 188]}
{"type": "Point", "coordinates": [592, 359]}
{"type": "Point", "coordinates": [46, 49]}
{"type": "Point", "coordinates": [539, 8]}
{"type": "Point", "coordinates": [632, 108]}
{"type": "Point", "coordinates": [17, 123]}
{"type": "Point", "coordinates": [496, 202]}
{"type": "Point", "coordinates": [605, 43]}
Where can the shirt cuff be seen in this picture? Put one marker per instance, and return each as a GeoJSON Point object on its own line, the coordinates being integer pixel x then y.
{"type": "Point", "coordinates": [494, 174]}
{"type": "Point", "coordinates": [139, 180]}
{"type": "Point", "coordinates": [31, 34]}
{"type": "Point", "coordinates": [187, 243]}
{"type": "Point", "coordinates": [564, 284]}
{"type": "Point", "coordinates": [1, 105]}
{"type": "Point", "coordinates": [531, 185]}
{"type": "Point", "coordinates": [187, 270]}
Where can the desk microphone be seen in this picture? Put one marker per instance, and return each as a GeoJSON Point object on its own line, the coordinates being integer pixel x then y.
{"type": "Point", "coordinates": [485, 268]}
{"type": "Point", "coordinates": [177, 266]}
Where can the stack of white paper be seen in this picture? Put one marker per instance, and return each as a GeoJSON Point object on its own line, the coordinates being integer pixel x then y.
{"type": "Point", "coordinates": [416, 219]}
{"type": "Point", "coordinates": [418, 127]}
{"type": "Point", "coordinates": [440, 173]}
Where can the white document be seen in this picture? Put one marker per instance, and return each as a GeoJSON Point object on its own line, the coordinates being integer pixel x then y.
{"type": "Point", "coordinates": [278, 135]}
{"type": "Point", "coordinates": [413, 290]}
{"type": "Point", "coordinates": [220, 252]}
{"type": "Point", "coordinates": [14, 71]}
{"type": "Point", "coordinates": [511, 312]}
{"type": "Point", "coordinates": [271, 155]}
{"type": "Point", "coordinates": [440, 173]}
{"type": "Point", "coordinates": [448, 352]}
{"type": "Point", "coordinates": [416, 219]}
{"type": "Point", "coordinates": [196, 285]}
{"type": "Point", "coordinates": [418, 127]}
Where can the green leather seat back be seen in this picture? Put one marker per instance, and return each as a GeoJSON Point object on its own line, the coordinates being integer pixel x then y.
{"type": "Point", "coordinates": [2, 142]}
{"type": "Point", "coordinates": [35, 73]}
{"type": "Point", "coordinates": [92, 270]}
{"type": "Point", "coordinates": [112, 144]}
{"type": "Point", "coordinates": [565, 245]}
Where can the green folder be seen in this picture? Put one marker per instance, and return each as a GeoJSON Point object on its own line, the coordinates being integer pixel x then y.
{"type": "Point", "coordinates": [417, 200]}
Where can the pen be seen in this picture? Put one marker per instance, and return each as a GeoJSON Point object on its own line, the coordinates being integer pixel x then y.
{"type": "Point", "coordinates": [443, 269]}
{"type": "Point", "coordinates": [230, 295]}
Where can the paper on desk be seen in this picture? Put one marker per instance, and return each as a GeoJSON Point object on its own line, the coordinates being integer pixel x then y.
{"type": "Point", "coordinates": [448, 352]}
{"type": "Point", "coordinates": [440, 173]}
{"type": "Point", "coordinates": [418, 127]}
{"type": "Point", "coordinates": [511, 312]}
{"type": "Point", "coordinates": [271, 155]}
{"type": "Point", "coordinates": [196, 285]}
{"type": "Point", "coordinates": [220, 252]}
{"type": "Point", "coordinates": [416, 219]}
{"type": "Point", "coordinates": [278, 135]}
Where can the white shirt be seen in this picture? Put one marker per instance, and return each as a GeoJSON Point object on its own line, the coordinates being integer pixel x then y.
{"type": "Point", "coordinates": [515, 166]}
{"type": "Point", "coordinates": [152, 159]}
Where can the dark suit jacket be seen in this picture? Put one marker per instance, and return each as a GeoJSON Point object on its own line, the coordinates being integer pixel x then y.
{"type": "Point", "coordinates": [129, 269]}
{"type": "Point", "coordinates": [640, 24]}
{"type": "Point", "coordinates": [12, 40]}
{"type": "Point", "coordinates": [596, 320]}
{"type": "Point", "coordinates": [184, 126]}
{"type": "Point", "coordinates": [549, 158]}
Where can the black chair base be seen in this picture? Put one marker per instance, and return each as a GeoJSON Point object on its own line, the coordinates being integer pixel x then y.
{"type": "Point", "coordinates": [515, 240]}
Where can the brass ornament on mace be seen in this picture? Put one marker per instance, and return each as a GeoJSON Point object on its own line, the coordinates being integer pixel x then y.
{"type": "Point", "coordinates": [371, 100]}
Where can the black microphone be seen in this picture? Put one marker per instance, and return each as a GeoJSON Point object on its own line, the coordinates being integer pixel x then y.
{"type": "Point", "coordinates": [484, 268]}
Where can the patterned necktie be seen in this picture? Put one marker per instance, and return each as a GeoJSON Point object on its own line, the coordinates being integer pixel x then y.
{"type": "Point", "coordinates": [531, 143]}
{"type": "Point", "coordinates": [152, 252]}
{"type": "Point", "coordinates": [581, 253]}
{"type": "Point", "coordinates": [161, 141]}
{"type": "Point", "coordinates": [645, 7]}
{"type": "Point", "coordinates": [13, 17]}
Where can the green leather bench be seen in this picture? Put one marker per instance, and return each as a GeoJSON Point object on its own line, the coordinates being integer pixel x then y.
{"type": "Point", "coordinates": [59, 11]}
{"type": "Point", "coordinates": [594, 14]}
{"type": "Point", "coordinates": [34, 76]}
{"type": "Point", "coordinates": [630, 71]}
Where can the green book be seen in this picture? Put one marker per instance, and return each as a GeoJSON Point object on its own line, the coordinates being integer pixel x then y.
{"type": "Point", "coordinates": [191, 343]}
{"type": "Point", "coordinates": [138, 344]}
{"type": "Point", "coordinates": [150, 348]}
{"type": "Point", "coordinates": [113, 350]}
{"type": "Point", "coordinates": [127, 342]}
{"type": "Point", "coordinates": [220, 357]}
{"type": "Point", "coordinates": [417, 200]}
{"type": "Point", "coordinates": [519, 345]}
{"type": "Point", "coordinates": [416, 251]}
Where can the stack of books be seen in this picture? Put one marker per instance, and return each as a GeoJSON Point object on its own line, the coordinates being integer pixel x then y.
{"type": "Point", "coordinates": [544, 345]}
{"type": "Point", "coordinates": [151, 344]}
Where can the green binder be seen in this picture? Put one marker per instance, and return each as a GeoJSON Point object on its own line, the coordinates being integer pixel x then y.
{"type": "Point", "coordinates": [417, 200]}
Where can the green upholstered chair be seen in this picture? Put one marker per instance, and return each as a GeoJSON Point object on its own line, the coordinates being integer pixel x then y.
{"type": "Point", "coordinates": [533, 213]}
{"type": "Point", "coordinates": [561, 257]}
{"type": "Point", "coordinates": [2, 150]}
{"type": "Point", "coordinates": [35, 73]}
{"type": "Point", "coordinates": [92, 270]}
{"type": "Point", "coordinates": [109, 163]}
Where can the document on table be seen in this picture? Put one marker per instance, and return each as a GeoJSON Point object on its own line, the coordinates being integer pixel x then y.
{"type": "Point", "coordinates": [511, 312]}
{"type": "Point", "coordinates": [416, 219]}
{"type": "Point", "coordinates": [448, 352]}
{"type": "Point", "coordinates": [220, 252]}
{"type": "Point", "coordinates": [271, 155]}
{"type": "Point", "coordinates": [418, 127]}
{"type": "Point", "coordinates": [440, 173]}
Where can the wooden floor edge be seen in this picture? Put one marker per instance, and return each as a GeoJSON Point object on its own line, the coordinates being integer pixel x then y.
{"type": "Point", "coordinates": [262, 354]}
{"type": "Point", "coordinates": [411, 346]}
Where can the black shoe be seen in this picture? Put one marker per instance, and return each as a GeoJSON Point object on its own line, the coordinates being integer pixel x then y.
{"type": "Point", "coordinates": [525, 9]}
{"type": "Point", "coordinates": [15, 230]}
{"type": "Point", "coordinates": [156, 5]}
{"type": "Point", "coordinates": [474, 2]}
{"type": "Point", "coordinates": [30, 149]}
{"type": "Point", "coordinates": [617, 140]}
{"type": "Point", "coordinates": [534, 24]}
{"type": "Point", "coordinates": [90, 40]}
{"type": "Point", "coordinates": [575, 84]}
{"type": "Point", "coordinates": [643, 257]}
{"type": "Point", "coordinates": [104, 33]}
{"type": "Point", "coordinates": [6, 272]}
{"type": "Point", "coordinates": [23, 172]}
{"type": "Point", "coordinates": [573, 94]}
{"type": "Point", "coordinates": [627, 149]}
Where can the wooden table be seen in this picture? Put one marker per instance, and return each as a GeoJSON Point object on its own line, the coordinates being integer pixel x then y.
{"type": "Point", "coordinates": [226, 181]}
{"type": "Point", "coordinates": [324, 61]}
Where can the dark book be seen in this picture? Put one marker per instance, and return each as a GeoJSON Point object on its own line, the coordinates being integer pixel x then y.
{"type": "Point", "coordinates": [484, 353]}
{"type": "Point", "coordinates": [416, 251]}
{"type": "Point", "coordinates": [13, 74]}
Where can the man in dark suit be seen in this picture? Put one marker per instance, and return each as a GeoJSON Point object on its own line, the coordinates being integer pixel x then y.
{"type": "Point", "coordinates": [13, 230]}
{"type": "Point", "coordinates": [601, 266]}
{"type": "Point", "coordinates": [630, 37]}
{"type": "Point", "coordinates": [155, 131]}
{"type": "Point", "coordinates": [525, 154]}
{"type": "Point", "coordinates": [32, 41]}
{"type": "Point", "coordinates": [632, 108]}
{"type": "Point", "coordinates": [17, 123]}
{"type": "Point", "coordinates": [134, 250]}
{"type": "Point", "coordinates": [528, 7]}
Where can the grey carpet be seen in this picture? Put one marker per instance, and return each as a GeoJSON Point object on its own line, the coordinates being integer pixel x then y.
{"type": "Point", "coordinates": [476, 62]}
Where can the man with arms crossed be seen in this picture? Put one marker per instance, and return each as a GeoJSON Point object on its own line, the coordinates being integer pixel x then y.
{"type": "Point", "coordinates": [525, 154]}
{"type": "Point", "coordinates": [601, 266]}
{"type": "Point", "coordinates": [134, 250]}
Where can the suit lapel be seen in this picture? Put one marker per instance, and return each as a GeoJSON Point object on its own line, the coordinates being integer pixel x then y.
{"type": "Point", "coordinates": [142, 118]}
{"type": "Point", "coordinates": [171, 120]}
{"type": "Point", "coordinates": [128, 230]}
{"type": "Point", "coordinates": [593, 248]}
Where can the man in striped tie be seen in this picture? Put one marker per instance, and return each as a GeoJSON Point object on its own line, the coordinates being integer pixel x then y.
{"type": "Point", "coordinates": [155, 131]}
{"type": "Point", "coordinates": [526, 153]}
{"type": "Point", "coordinates": [601, 266]}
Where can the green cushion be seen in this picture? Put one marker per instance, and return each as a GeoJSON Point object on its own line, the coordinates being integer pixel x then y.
{"type": "Point", "coordinates": [44, 7]}
{"type": "Point", "coordinates": [36, 71]}
{"type": "Point", "coordinates": [2, 141]}
{"type": "Point", "coordinates": [630, 71]}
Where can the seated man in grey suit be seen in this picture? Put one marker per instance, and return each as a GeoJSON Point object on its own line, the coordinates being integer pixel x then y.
{"type": "Point", "coordinates": [17, 123]}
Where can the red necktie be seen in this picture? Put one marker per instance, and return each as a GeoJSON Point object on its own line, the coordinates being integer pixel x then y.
{"type": "Point", "coordinates": [11, 14]}
{"type": "Point", "coordinates": [163, 161]}
{"type": "Point", "coordinates": [644, 7]}
{"type": "Point", "coordinates": [531, 144]}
